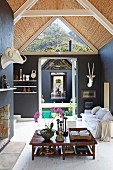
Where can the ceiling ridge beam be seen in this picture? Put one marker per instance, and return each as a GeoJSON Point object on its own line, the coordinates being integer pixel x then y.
{"type": "Point", "coordinates": [38, 13]}
{"type": "Point", "coordinates": [37, 33]}
{"type": "Point", "coordinates": [27, 5]}
{"type": "Point", "coordinates": [97, 15]}
{"type": "Point", "coordinates": [79, 34]}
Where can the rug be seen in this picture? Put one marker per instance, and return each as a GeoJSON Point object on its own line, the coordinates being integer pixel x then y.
{"type": "Point", "coordinates": [10, 154]}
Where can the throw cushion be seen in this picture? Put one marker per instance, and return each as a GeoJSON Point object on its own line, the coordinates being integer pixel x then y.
{"type": "Point", "coordinates": [95, 109]}
{"type": "Point", "coordinates": [107, 116]}
{"type": "Point", "coordinates": [100, 113]}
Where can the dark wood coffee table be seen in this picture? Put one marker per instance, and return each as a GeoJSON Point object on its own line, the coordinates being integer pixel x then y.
{"type": "Point", "coordinates": [78, 147]}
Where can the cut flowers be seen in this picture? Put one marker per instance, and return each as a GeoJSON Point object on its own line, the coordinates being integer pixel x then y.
{"type": "Point", "coordinates": [55, 112]}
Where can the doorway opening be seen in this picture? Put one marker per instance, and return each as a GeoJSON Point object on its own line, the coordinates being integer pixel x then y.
{"type": "Point", "coordinates": [57, 85]}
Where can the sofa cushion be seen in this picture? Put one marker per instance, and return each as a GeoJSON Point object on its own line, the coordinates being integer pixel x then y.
{"type": "Point", "coordinates": [100, 113]}
{"type": "Point", "coordinates": [93, 119]}
{"type": "Point", "coordinates": [107, 116]}
{"type": "Point", "coordinates": [95, 109]}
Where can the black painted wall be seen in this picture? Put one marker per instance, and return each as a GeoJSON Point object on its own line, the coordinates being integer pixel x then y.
{"type": "Point", "coordinates": [106, 56]}
{"type": "Point", "coordinates": [46, 85]}
{"type": "Point", "coordinates": [82, 71]}
{"type": "Point", "coordinates": [26, 104]}
{"type": "Point", "coordinates": [6, 40]}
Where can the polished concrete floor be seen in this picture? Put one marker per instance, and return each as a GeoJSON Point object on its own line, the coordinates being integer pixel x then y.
{"type": "Point", "coordinates": [24, 131]}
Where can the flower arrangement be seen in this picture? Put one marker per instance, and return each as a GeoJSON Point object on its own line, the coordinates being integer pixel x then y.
{"type": "Point", "coordinates": [57, 112]}
{"type": "Point", "coordinates": [47, 133]}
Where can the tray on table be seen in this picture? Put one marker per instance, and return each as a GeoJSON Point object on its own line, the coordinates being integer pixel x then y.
{"type": "Point", "coordinates": [80, 134]}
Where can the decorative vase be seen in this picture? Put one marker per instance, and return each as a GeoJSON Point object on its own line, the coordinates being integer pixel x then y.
{"type": "Point", "coordinates": [47, 134]}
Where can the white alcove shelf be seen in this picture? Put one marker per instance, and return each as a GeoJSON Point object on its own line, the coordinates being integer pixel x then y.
{"type": "Point", "coordinates": [7, 89]}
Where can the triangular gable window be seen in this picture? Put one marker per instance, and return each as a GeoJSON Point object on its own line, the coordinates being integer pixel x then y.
{"type": "Point", "coordinates": [57, 37]}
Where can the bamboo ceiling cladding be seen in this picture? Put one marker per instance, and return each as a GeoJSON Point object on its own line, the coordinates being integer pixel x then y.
{"type": "Point", "coordinates": [105, 7]}
{"type": "Point", "coordinates": [27, 27]}
{"type": "Point", "coordinates": [56, 4]}
{"type": "Point", "coordinates": [16, 4]}
{"type": "Point", "coordinates": [89, 27]}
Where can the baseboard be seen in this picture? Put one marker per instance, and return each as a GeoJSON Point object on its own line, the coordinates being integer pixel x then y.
{"type": "Point", "coordinates": [79, 119]}
{"type": "Point", "coordinates": [17, 116]}
{"type": "Point", "coordinates": [25, 119]}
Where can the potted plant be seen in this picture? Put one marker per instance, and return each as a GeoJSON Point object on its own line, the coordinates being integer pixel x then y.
{"type": "Point", "coordinates": [48, 131]}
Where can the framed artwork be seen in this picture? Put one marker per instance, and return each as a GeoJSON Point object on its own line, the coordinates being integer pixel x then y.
{"type": "Point", "coordinates": [58, 85]}
{"type": "Point", "coordinates": [89, 93]}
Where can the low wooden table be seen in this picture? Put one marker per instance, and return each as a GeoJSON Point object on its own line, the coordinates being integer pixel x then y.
{"type": "Point", "coordinates": [52, 148]}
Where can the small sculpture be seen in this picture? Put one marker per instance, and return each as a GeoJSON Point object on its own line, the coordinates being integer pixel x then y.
{"type": "Point", "coordinates": [29, 89]}
{"type": "Point", "coordinates": [60, 137]}
{"type": "Point", "coordinates": [24, 89]}
{"type": "Point", "coordinates": [33, 74]}
{"type": "Point", "coordinates": [4, 81]}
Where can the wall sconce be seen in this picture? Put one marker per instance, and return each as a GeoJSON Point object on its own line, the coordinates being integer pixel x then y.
{"type": "Point", "coordinates": [90, 76]}
{"type": "Point", "coordinates": [11, 55]}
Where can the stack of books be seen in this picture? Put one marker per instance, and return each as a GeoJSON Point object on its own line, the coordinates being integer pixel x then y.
{"type": "Point", "coordinates": [80, 133]}
{"type": "Point", "coordinates": [69, 149]}
{"type": "Point", "coordinates": [84, 133]}
{"type": "Point", "coordinates": [82, 150]}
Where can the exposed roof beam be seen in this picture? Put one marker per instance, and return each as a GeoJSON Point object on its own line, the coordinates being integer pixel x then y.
{"type": "Point", "coordinates": [80, 35]}
{"type": "Point", "coordinates": [69, 54]}
{"type": "Point", "coordinates": [37, 33]}
{"type": "Point", "coordinates": [97, 15]}
{"type": "Point", "coordinates": [38, 13]}
{"type": "Point", "coordinates": [27, 5]}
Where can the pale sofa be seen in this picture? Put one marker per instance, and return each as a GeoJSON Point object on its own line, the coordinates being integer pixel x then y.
{"type": "Point", "coordinates": [98, 121]}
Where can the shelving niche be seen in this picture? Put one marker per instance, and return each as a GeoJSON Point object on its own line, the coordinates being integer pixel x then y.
{"type": "Point", "coordinates": [25, 86]}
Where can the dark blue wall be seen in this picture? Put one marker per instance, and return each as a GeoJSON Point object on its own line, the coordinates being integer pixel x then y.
{"type": "Point", "coordinates": [82, 71]}
{"type": "Point", "coordinates": [26, 104]}
{"type": "Point", "coordinates": [106, 56]}
{"type": "Point", "coordinates": [6, 40]}
{"type": "Point", "coordinates": [82, 80]}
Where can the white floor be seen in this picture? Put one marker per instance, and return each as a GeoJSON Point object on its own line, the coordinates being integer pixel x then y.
{"type": "Point", "coordinates": [24, 131]}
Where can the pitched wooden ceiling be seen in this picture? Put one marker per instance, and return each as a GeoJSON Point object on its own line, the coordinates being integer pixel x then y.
{"type": "Point", "coordinates": [105, 7]}
{"type": "Point", "coordinates": [57, 64]}
{"type": "Point", "coordinates": [87, 26]}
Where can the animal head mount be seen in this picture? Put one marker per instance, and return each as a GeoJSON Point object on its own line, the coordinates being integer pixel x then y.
{"type": "Point", "coordinates": [90, 76]}
{"type": "Point", "coordinates": [11, 55]}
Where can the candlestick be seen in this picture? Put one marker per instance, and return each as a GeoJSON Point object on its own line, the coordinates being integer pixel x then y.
{"type": "Point", "coordinates": [58, 121]}
{"type": "Point", "coordinates": [65, 132]}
